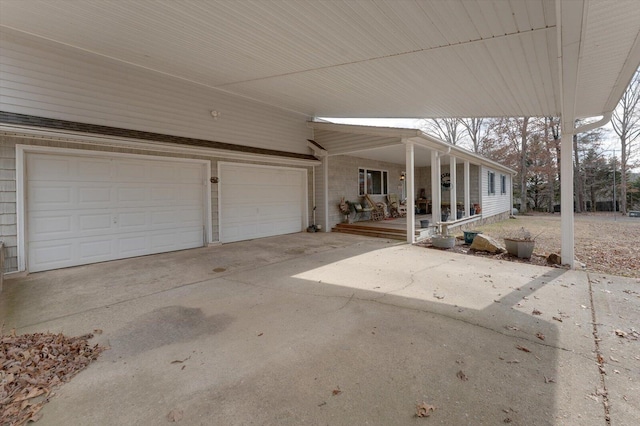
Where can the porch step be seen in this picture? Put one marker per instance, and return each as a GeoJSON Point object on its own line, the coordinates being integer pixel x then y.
{"type": "Point", "coordinates": [371, 231]}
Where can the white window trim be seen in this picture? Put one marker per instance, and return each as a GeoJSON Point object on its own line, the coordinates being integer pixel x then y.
{"type": "Point", "coordinates": [23, 150]}
{"type": "Point", "coordinates": [367, 169]}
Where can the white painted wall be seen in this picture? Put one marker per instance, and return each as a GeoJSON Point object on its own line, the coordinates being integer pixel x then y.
{"type": "Point", "coordinates": [495, 203]}
{"type": "Point", "coordinates": [46, 79]}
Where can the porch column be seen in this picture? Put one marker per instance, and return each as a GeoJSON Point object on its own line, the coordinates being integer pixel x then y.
{"type": "Point", "coordinates": [467, 191]}
{"type": "Point", "coordinates": [435, 187]}
{"type": "Point", "coordinates": [411, 195]}
{"type": "Point", "coordinates": [566, 199]}
{"type": "Point", "coordinates": [453, 200]}
{"type": "Point", "coordinates": [325, 193]}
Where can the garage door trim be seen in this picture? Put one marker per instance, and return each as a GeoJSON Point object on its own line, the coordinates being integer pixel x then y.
{"type": "Point", "coordinates": [23, 150]}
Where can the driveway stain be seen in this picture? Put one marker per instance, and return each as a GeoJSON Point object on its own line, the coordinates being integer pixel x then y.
{"type": "Point", "coordinates": [165, 326]}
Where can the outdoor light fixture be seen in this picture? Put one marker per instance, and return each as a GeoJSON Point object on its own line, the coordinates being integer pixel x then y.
{"type": "Point", "coordinates": [402, 175]}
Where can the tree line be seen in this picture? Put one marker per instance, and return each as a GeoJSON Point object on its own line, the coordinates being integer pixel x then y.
{"type": "Point", "coordinates": [531, 146]}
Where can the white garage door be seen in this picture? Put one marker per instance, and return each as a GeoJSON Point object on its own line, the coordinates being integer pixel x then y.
{"type": "Point", "coordinates": [91, 209]}
{"type": "Point", "coordinates": [258, 201]}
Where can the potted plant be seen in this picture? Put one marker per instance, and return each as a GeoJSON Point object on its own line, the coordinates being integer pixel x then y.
{"type": "Point", "coordinates": [521, 244]}
{"type": "Point", "coordinates": [443, 239]}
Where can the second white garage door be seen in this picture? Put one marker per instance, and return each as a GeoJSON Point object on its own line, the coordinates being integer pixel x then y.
{"type": "Point", "coordinates": [87, 209]}
{"type": "Point", "coordinates": [261, 201]}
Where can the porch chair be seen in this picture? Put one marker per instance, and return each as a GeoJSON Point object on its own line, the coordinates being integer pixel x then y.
{"type": "Point", "coordinates": [394, 205]}
{"type": "Point", "coordinates": [378, 209]}
{"type": "Point", "coordinates": [360, 211]}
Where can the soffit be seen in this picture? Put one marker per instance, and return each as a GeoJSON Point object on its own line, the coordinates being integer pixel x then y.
{"type": "Point", "coordinates": [383, 58]}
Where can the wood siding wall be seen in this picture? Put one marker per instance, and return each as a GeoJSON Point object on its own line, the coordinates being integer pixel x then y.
{"type": "Point", "coordinates": [46, 79]}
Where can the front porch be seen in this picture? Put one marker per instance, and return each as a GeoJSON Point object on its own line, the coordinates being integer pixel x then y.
{"type": "Point", "coordinates": [396, 228]}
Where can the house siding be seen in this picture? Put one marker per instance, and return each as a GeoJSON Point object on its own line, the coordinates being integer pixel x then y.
{"type": "Point", "coordinates": [8, 228]}
{"type": "Point", "coordinates": [46, 79]}
{"type": "Point", "coordinates": [494, 204]}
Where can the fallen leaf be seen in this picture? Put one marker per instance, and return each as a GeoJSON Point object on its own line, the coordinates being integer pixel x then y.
{"type": "Point", "coordinates": [260, 334]}
{"type": "Point", "coordinates": [549, 379]}
{"type": "Point", "coordinates": [175, 415]}
{"type": "Point", "coordinates": [620, 333]}
{"type": "Point", "coordinates": [219, 269]}
{"type": "Point", "coordinates": [515, 361]}
{"type": "Point", "coordinates": [424, 409]}
{"type": "Point", "coordinates": [511, 327]}
{"type": "Point", "coordinates": [522, 348]}
{"type": "Point", "coordinates": [336, 391]}
{"type": "Point", "coordinates": [180, 361]}
{"type": "Point", "coordinates": [536, 312]}
{"type": "Point", "coordinates": [540, 336]}
{"type": "Point", "coordinates": [507, 420]}
{"type": "Point", "coordinates": [97, 331]}
{"type": "Point", "coordinates": [462, 376]}
{"type": "Point", "coordinates": [557, 319]}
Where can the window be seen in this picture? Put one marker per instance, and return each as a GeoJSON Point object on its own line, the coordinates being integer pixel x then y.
{"type": "Point", "coordinates": [373, 182]}
{"type": "Point", "coordinates": [492, 182]}
{"type": "Point", "coordinates": [503, 184]}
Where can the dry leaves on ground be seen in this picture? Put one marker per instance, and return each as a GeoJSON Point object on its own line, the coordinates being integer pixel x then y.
{"type": "Point", "coordinates": [424, 410]}
{"type": "Point", "coordinates": [31, 365]}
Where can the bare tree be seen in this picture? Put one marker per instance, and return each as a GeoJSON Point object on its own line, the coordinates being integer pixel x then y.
{"type": "Point", "coordinates": [477, 132]}
{"type": "Point", "coordinates": [447, 129]}
{"type": "Point", "coordinates": [626, 124]}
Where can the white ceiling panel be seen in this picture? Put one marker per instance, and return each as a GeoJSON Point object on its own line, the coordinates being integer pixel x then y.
{"type": "Point", "coordinates": [357, 58]}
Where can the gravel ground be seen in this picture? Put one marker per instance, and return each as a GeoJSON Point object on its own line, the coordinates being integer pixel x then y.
{"type": "Point", "coordinates": [604, 242]}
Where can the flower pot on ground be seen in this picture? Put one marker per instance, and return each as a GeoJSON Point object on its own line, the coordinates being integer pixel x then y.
{"type": "Point", "coordinates": [443, 241]}
{"type": "Point", "coordinates": [521, 244]}
{"type": "Point", "coordinates": [470, 235]}
{"type": "Point", "coordinates": [424, 223]}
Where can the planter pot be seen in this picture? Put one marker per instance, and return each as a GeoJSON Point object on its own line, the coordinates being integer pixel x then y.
{"type": "Point", "coordinates": [440, 241]}
{"type": "Point", "coordinates": [522, 249]}
{"type": "Point", "coordinates": [460, 214]}
{"type": "Point", "coordinates": [444, 217]}
{"type": "Point", "coordinates": [424, 223]}
{"type": "Point", "coordinates": [470, 235]}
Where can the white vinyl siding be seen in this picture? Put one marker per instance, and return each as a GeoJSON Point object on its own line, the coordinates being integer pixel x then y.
{"type": "Point", "coordinates": [496, 202]}
{"type": "Point", "coordinates": [50, 80]}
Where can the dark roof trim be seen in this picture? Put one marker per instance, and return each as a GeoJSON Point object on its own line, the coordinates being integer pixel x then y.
{"type": "Point", "coordinates": [50, 123]}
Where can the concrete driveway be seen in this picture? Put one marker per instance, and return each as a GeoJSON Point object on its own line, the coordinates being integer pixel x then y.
{"type": "Point", "coordinates": [335, 329]}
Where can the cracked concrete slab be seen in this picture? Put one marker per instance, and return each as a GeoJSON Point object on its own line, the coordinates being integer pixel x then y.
{"type": "Point", "coordinates": [332, 329]}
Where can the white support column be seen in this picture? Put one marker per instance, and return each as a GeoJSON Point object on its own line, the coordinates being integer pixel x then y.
{"type": "Point", "coordinates": [566, 199]}
{"type": "Point", "coordinates": [435, 187]}
{"type": "Point", "coordinates": [467, 190]}
{"type": "Point", "coordinates": [325, 192]}
{"type": "Point", "coordinates": [411, 194]}
{"type": "Point", "coordinates": [453, 196]}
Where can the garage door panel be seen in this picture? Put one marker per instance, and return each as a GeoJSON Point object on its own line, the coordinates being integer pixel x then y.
{"type": "Point", "coordinates": [50, 167]}
{"type": "Point", "coordinates": [51, 226]}
{"type": "Point", "coordinates": [89, 196]}
{"type": "Point", "coordinates": [96, 249]}
{"type": "Point", "coordinates": [94, 170]}
{"type": "Point", "coordinates": [258, 202]}
{"type": "Point", "coordinates": [45, 196]}
{"type": "Point", "coordinates": [94, 222]}
{"type": "Point", "coordinates": [83, 210]}
{"type": "Point", "coordinates": [50, 253]}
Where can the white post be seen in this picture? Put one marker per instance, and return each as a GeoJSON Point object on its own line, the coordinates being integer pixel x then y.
{"type": "Point", "coordinates": [453, 198]}
{"type": "Point", "coordinates": [435, 187]}
{"type": "Point", "coordinates": [411, 195]}
{"type": "Point", "coordinates": [566, 199]}
{"type": "Point", "coordinates": [467, 190]}
{"type": "Point", "coordinates": [325, 192]}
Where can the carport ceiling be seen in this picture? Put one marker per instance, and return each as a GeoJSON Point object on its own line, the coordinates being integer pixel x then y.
{"type": "Point", "coordinates": [381, 58]}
